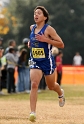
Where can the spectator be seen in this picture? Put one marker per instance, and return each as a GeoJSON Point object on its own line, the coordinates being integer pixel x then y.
{"type": "Point", "coordinates": [12, 60]}
{"type": "Point", "coordinates": [3, 69]}
{"type": "Point", "coordinates": [1, 47]}
{"type": "Point", "coordinates": [3, 72]}
{"type": "Point", "coordinates": [25, 42]}
{"type": "Point", "coordinates": [22, 85]}
{"type": "Point", "coordinates": [77, 59]}
{"type": "Point", "coordinates": [59, 66]}
{"type": "Point", "coordinates": [12, 43]}
{"type": "Point", "coordinates": [1, 53]}
{"type": "Point", "coordinates": [25, 46]}
{"type": "Point", "coordinates": [55, 51]}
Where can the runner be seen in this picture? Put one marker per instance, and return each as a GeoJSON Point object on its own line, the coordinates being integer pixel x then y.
{"type": "Point", "coordinates": [42, 38]}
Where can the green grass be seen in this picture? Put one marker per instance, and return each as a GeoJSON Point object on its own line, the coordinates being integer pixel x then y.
{"type": "Point", "coordinates": [71, 92]}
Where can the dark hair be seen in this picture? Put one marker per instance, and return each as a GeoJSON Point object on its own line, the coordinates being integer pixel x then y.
{"type": "Point", "coordinates": [60, 52]}
{"type": "Point", "coordinates": [45, 12]}
{"type": "Point", "coordinates": [11, 41]}
{"type": "Point", "coordinates": [22, 56]}
{"type": "Point", "coordinates": [11, 49]}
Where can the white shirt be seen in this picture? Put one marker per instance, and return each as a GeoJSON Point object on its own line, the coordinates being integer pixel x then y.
{"type": "Point", "coordinates": [77, 60]}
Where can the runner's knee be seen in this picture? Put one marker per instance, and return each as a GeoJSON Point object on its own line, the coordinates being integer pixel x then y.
{"type": "Point", "coordinates": [51, 87]}
{"type": "Point", "coordinates": [34, 85]}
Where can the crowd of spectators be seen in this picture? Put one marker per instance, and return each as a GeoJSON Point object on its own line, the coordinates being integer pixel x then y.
{"type": "Point", "coordinates": [16, 58]}
{"type": "Point", "coordinates": [11, 58]}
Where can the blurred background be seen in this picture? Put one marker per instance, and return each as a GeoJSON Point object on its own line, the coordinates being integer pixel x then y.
{"type": "Point", "coordinates": [66, 16]}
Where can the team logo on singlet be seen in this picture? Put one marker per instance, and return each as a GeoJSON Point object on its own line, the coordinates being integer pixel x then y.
{"type": "Point", "coordinates": [36, 43]}
{"type": "Point", "coordinates": [38, 53]}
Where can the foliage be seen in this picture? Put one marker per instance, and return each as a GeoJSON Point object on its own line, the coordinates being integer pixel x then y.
{"type": "Point", "coordinates": [3, 22]}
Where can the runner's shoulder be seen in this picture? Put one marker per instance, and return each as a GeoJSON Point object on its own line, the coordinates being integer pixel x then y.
{"type": "Point", "coordinates": [31, 26]}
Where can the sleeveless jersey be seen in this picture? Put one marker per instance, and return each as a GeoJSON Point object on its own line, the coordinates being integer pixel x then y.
{"type": "Point", "coordinates": [39, 50]}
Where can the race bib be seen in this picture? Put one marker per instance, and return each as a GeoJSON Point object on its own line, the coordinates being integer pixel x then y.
{"type": "Point", "coordinates": [38, 53]}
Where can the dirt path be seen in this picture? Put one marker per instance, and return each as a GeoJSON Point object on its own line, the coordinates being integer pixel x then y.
{"type": "Point", "coordinates": [48, 112]}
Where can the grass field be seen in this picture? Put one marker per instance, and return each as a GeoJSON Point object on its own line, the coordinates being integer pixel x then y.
{"type": "Point", "coordinates": [15, 108]}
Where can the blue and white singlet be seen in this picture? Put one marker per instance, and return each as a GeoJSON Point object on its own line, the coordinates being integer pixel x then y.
{"type": "Point", "coordinates": [41, 53]}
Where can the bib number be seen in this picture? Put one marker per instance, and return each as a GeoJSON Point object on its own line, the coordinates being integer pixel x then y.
{"type": "Point", "coordinates": [38, 53]}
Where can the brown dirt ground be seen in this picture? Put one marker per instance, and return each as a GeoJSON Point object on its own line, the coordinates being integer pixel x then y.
{"type": "Point", "coordinates": [48, 112]}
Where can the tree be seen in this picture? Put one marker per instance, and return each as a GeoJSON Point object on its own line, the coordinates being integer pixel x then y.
{"type": "Point", "coordinates": [3, 22]}
{"type": "Point", "coordinates": [66, 16]}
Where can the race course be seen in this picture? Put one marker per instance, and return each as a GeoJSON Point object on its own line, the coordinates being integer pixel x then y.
{"type": "Point", "coordinates": [15, 108]}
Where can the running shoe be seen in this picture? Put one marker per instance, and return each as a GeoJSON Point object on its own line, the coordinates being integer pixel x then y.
{"type": "Point", "coordinates": [61, 99]}
{"type": "Point", "coordinates": [32, 117]}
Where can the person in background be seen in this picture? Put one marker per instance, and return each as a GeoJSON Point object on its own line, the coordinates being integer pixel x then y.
{"type": "Point", "coordinates": [3, 61]}
{"type": "Point", "coordinates": [3, 68]}
{"type": "Point", "coordinates": [77, 59]}
{"type": "Point", "coordinates": [1, 44]}
{"type": "Point", "coordinates": [12, 43]}
{"type": "Point", "coordinates": [1, 39]}
{"type": "Point", "coordinates": [25, 42]}
{"type": "Point", "coordinates": [12, 60]}
{"type": "Point", "coordinates": [59, 66]}
{"type": "Point", "coordinates": [55, 51]}
{"type": "Point", "coordinates": [4, 72]}
{"type": "Point", "coordinates": [1, 54]}
{"type": "Point", "coordinates": [22, 85]}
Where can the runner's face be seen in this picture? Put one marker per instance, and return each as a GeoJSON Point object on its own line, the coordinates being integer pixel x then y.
{"type": "Point", "coordinates": [38, 16]}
